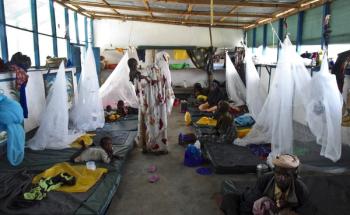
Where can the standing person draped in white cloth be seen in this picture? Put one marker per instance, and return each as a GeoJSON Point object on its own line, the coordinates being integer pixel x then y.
{"type": "Point", "coordinates": [154, 93]}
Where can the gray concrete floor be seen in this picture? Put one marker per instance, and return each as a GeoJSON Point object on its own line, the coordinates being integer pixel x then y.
{"type": "Point", "coordinates": [180, 190]}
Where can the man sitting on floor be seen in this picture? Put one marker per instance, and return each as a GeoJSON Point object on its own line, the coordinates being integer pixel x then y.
{"type": "Point", "coordinates": [277, 193]}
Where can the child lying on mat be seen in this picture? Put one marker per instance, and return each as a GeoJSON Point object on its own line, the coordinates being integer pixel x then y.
{"type": "Point", "coordinates": [104, 152]}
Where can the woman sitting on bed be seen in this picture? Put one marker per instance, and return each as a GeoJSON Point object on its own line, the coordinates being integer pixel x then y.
{"type": "Point", "coordinates": [214, 96]}
{"type": "Point", "coordinates": [225, 126]}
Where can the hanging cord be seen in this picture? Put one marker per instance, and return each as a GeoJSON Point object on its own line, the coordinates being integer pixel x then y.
{"type": "Point", "coordinates": [211, 12]}
{"type": "Point", "coordinates": [274, 31]}
{"type": "Point", "coordinates": [130, 34]}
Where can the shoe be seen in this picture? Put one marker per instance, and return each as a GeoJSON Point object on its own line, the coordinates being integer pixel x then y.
{"type": "Point", "coordinates": [153, 178]}
{"type": "Point", "coordinates": [152, 168]}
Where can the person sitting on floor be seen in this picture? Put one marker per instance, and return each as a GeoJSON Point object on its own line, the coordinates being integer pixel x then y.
{"type": "Point", "coordinates": [214, 96]}
{"type": "Point", "coordinates": [103, 153]}
{"type": "Point", "coordinates": [122, 110]}
{"type": "Point", "coordinates": [225, 127]}
{"type": "Point", "coordinates": [277, 193]}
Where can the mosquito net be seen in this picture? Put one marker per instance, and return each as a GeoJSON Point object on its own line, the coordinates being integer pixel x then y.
{"type": "Point", "coordinates": [87, 113]}
{"type": "Point", "coordinates": [234, 86]}
{"type": "Point", "coordinates": [118, 87]}
{"type": "Point", "coordinates": [274, 124]}
{"type": "Point", "coordinates": [162, 61]}
{"type": "Point", "coordinates": [293, 91]}
{"type": "Point", "coordinates": [324, 112]}
{"type": "Point", "coordinates": [255, 97]}
{"type": "Point", "coordinates": [53, 132]}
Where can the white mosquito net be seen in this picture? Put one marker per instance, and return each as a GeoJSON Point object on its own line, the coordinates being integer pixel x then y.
{"type": "Point", "coordinates": [255, 97]}
{"type": "Point", "coordinates": [87, 113]}
{"type": "Point", "coordinates": [53, 132]}
{"type": "Point", "coordinates": [275, 122]}
{"type": "Point", "coordinates": [234, 85]}
{"type": "Point", "coordinates": [324, 112]}
{"type": "Point", "coordinates": [118, 87]}
{"type": "Point", "coordinates": [162, 61]}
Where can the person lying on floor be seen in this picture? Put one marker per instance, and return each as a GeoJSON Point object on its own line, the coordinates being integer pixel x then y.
{"type": "Point", "coordinates": [277, 193]}
{"type": "Point", "coordinates": [225, 127]}
{"type": "Point", "coordinates": [214, 96]}
{"type": "Point", "coordinates": [104, 152]}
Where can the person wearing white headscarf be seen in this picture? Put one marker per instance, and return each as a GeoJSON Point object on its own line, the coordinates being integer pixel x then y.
{"type": "Point", "coordinates": [156, 99]}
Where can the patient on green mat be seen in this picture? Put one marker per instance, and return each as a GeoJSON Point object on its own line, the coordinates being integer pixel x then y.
{"type": "Point", "coordinates": [122, 110]}
{"type": "Point", "coordinates": [104, 152]}
{"type": "Point", "coordinates": [225, 127]}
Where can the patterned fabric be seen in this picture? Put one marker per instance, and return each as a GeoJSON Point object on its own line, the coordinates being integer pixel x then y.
{"type": "Point", "coordinates": [21, 76]}
{"type": "Point", "coordinates": [200, 57]}
{"type": "Point", "coordinates": [153, 92]}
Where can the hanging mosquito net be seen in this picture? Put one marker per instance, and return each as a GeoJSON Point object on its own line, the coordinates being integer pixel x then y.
{"type": "Point", "coordinates": [87, 113]}
{"type": "Point", "coordinates": [234, 86]}
{"type": "Point", "coordinates": [293, 92]}
{"type": "Point", "coordinates": [255, 97]}
{"type": "Point", "coordinates": [162, 61]}
{"type": "Point", "coordinates": [118, 87]}
{"type": "Point", "coordinates": [324, 112]}
{"type": "Point", "coordinates": [53, 132]}
{"type": "Point", "coordinates": [275, 122]}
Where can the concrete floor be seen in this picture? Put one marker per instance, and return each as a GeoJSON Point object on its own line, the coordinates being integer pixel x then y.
{"type": "Point", "coordinates": [180, 190]}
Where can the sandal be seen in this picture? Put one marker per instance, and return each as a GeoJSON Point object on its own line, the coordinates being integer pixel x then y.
{"type": "Point", "coordinates": [153, 178]}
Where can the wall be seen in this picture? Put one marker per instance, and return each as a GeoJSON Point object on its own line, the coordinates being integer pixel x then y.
{"type": "Point", "coordinates": [116, 33]}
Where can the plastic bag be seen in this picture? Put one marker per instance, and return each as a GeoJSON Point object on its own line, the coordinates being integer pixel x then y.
{"type": "Point", "coordinates": [193, 156]}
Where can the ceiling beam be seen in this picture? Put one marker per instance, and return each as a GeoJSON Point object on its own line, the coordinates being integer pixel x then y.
{"type": "Point", "coordinates": [168, 21]}
{"type": "Point", "coordinates": [106, 3]}
{"type": "Point", "coordinates": [169, 11]}
{"type": "Point", "coordinates": [231, 12]}
{"type": "Point", "coordinates": [189, 9]}
{"type": "Point", "coordinates": [235, 3]}
{"type": "Point", "coordinates": [178, 20]}
{"type": "Point", "coordinates": [76, 8]}
{"type": "Point", "coordinates": [302, 6]}
{"type": "Point", "coordinates": [145, 2]}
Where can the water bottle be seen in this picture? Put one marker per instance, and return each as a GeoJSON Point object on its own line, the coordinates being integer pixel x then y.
{"type": "Point", "coordinates": [185, 84]}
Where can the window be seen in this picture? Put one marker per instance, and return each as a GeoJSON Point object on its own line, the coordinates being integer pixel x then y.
{"type": "Point", "coordinates": [62, 47]}
{"type": "Point", "coordinates": [89, 30]}
{"type": "Point", "coordinates": [72, 32]}
{"type": "Point", "coordinates": [271, 38]}
{"type": "Point", "coordinates": [335, 49]}
{"type": "Point", "coordinates": [60, 20]}
{"type": "Point", "coordinates": [312, 26]}
{"type": "Point", "coordinates": [339, 22]}
{"type": "Point", "coordinates": [18, 13]}
{"type": "Point", "coordinates": [259, 35]}
{"type": "Point", "coordinates": [45, 48]}
{"type": "Point", "coordinates": [81, 27]}
{"type": "Point", "coordinates": [44, 17]}
{"type": "Point", "coordinates": [20, 41]}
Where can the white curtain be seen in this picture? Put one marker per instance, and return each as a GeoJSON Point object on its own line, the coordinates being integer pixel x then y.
{"type": "Point", "coordinates": [234, 85]}
{"type": "Point", "coordinates": [324, 112]}
{"type": "Point", "coordinates": [87, 113]}
{"type": "Point", "coordinates": [255, 97]}
{"type": "Point", "coordinates": [118, 87]}
{"type": "Point", "coordinates": [53, 131]}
